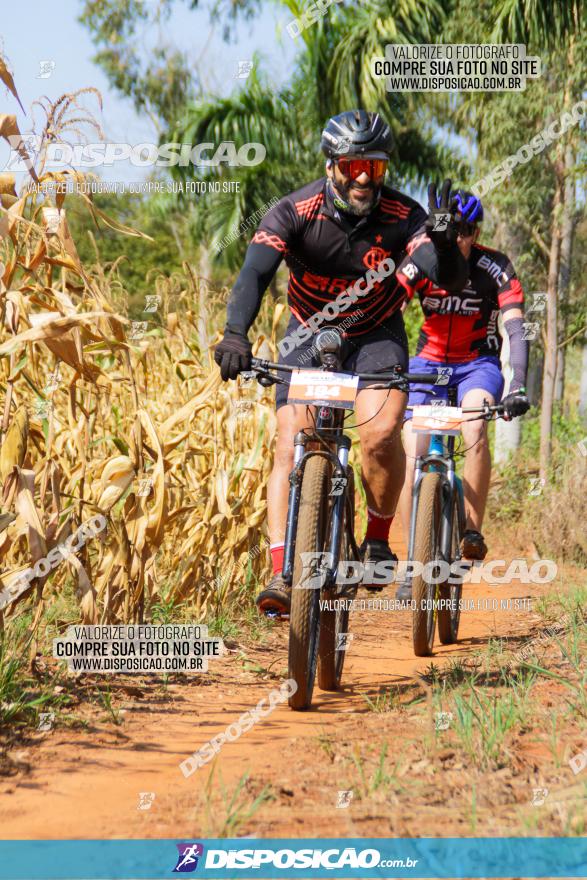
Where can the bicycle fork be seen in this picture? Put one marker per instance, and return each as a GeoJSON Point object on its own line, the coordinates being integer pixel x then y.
{"type": "Point", "coordinates": [331, 552]}
{"type": "Point", "coordinates": [446, 466]}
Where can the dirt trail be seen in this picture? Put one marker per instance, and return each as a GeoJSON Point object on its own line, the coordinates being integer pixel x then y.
{"type": "Point", "coordinates": [86, 784]}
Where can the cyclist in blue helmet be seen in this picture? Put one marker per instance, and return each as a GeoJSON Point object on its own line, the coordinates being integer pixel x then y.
{"type": "Point", "coordinates": [469, 207]}
{"type": "Point", "coordinates": [461, 332]}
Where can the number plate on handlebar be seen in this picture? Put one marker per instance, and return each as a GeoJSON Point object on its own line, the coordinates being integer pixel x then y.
{"type": "Point", "coordinates": [437, 419]}
{"type": "Point", "coordinates": [338, 390]}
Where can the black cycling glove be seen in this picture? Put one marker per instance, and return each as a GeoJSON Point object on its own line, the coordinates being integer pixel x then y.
{"type": "Point", "coordinates": [233, 354]}
{"type": "Point", "coordinates": [516, 403]}
{"type": "Point", "coordinates": [440, 226]}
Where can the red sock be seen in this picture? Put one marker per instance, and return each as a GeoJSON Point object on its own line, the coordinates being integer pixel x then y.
{"type": "Point", "coordinates": [378, 526]}
{"type": "Point", "coordinates": [276, 551]}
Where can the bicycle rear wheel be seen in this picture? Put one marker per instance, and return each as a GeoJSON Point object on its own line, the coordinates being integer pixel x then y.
{"type": "Point", "coordinates": [426, 550]}
{"type": "Point", "coordinates": [449, 618]}
{"type": "Point", "coordinates": [304, 625]}
{"type": "Point", "coordinates": [334, 622]}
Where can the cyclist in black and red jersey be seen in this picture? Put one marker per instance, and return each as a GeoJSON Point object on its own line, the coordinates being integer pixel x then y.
{"type": "Point", "coordinates": [460, 332]}
{"type": "Point", "coordinates": [343, 229]}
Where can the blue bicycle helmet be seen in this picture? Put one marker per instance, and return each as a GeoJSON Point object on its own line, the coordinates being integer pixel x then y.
{"type": "Point", "coordinates": [469, 207]}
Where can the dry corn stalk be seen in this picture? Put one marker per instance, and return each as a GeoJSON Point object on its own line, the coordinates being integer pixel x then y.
{"type": "Point", "coordinates": [143, 433]}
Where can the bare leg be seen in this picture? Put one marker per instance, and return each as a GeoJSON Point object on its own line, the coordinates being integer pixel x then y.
{"type": "Point", "coordinates": [291, 418]}
{"type": "Point", "coordinates": [382, 453]}
{"type": "Point", "coordinates": [414, 444]}
{"type": "Point", "coordinates": [477, 471]}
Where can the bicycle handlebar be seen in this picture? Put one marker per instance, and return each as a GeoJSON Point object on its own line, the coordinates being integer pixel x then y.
{"type": "Point", "coordinates": [398, 376]}
{"type": "Point", "coordinates": [486, 410]}
{"type": "Point", "coordinates": [495, 408]}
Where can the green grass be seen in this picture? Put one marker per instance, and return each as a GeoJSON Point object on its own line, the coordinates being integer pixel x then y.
{"type": "Point", "coordinates": [483, 714]}
{"type": "Point", "coordinates": [105, 699]}
{"type": "Point", "coordinates": [326, 743]}
{"type": "Point", "coordinates": [381, 776]}
{"type": "Point", "coordinates": [481, 724]}
{"type": "Point", "coordinates": [385, 701]}
{"type": "Point", "coordinates": [572, 644]}
{"type": "Point", "coordinates": [221, 624]}
{"type": "Point", "coordinates": [21, 696]}
{"type": "Point", "coordinates": [495, 700]}
{"type": "Point", "coordinates": [236, 807]}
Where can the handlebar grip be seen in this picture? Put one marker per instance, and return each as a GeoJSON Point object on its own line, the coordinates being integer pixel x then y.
{"type": "Point", "coordinates": [497, 408]}
{"type": "Point", "coordinates": [424, 378]}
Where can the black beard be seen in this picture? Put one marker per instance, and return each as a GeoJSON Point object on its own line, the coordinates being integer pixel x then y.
{"type": "Point", "coordinates": [344, 191]}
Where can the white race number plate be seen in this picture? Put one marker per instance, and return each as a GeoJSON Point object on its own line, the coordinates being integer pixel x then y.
{"type": "Point", "coordinates": [315, 388]}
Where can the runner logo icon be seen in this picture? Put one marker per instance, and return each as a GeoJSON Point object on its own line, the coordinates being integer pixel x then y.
{"type": "Point", "coordinates": [187, 861]}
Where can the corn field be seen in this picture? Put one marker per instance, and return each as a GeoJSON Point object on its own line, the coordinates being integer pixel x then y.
{"type": "Point", "coordinates": [130, 420]}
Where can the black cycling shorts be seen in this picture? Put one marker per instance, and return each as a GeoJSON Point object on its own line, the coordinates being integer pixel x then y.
{"type": "Point", "coordinates": [380, 350]}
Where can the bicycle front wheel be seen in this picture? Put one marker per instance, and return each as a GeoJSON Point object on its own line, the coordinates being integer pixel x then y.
{"type": "Point", "coordinates": [304, 623]}
{"type": "Point", "coordinates": [449, 617]}
{"type": "Point", "coordinates": [426, 550]}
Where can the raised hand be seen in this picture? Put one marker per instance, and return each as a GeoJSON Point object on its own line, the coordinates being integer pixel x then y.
{"type": "Point", "coordinates": [441, 226]}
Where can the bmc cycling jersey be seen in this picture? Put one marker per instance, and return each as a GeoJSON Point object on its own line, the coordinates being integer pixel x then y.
{"type": "Point", "coordinates": [328, 250]}
{"type": "Point", "coordinates": [461, 327]}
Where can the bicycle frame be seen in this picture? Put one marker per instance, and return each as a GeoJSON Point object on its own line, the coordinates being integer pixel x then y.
{"type": "Point", "coordinates": [335, 446]}
{"type": "Point", "coordinates": [440, 458]}
{"type": "Point", "coordinates": [339, 460]}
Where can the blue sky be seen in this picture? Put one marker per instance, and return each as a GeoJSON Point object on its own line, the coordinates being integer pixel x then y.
{"type": "Point", "coordinates": [38, 31]}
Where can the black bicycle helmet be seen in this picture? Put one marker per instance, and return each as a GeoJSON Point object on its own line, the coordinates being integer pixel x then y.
{"type": "Point", "coordinates": [354, 133]}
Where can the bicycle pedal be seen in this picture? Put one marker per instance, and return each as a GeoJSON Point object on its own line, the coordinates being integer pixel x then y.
{"type": "Point", "coordinates": [376, 585]}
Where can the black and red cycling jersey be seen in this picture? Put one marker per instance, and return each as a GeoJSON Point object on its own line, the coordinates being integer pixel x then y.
{"type": "Point", "coordinates": [463, 326]}
{"type": "Point", "coordinates": [327, 250]}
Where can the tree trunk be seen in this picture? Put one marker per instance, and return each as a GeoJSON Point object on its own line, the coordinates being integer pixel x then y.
{"type": "Point", "coordinates": [550, 354]}
{"type": "Point", "coordinates": [568, 221]}
{"type": "Point", "coordinates": [559, 385]}
{"type": "Point", "coordinates": [534, 383]}
{"type": "Point", "coordinates": [583, 388]}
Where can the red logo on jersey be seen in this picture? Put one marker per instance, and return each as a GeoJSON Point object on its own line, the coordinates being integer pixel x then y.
{"type": "Point", "coordinates": [374, 256]}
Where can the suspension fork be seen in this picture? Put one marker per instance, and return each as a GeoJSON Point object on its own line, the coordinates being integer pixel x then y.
{"type": "Point", "coordinates": [343, 445]}
{"type": "Point", "coordinates": [449, 489]}
{"type": "Point", "coordinates": [437, 461]}
{"type": "Point", "coordinates": [418, 475]}
{"type": "Point", "coordinates": [293, 505]}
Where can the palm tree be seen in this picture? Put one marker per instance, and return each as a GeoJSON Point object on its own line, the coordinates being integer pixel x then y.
{"type": "Point", "coordinates": [288, 121]}
{"type": "Point", "coordinates": [541, 22]}
{"type": "Point", "coordinates": [283, 122]}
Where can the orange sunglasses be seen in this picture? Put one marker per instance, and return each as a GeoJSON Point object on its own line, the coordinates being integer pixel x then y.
{"type": "Point", "coordinates": [353, 168]}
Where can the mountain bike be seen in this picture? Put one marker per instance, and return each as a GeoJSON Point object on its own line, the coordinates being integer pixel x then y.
{"type": "Point", "coordinates": [321, 512]}
{"type": "Point", "coordinates": [437, 523]}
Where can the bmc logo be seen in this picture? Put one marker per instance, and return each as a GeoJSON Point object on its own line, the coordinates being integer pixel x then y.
{"type": "Point", "coordinates": [492, 269]}
{"type": "Point", "coordinates": [460, 305]}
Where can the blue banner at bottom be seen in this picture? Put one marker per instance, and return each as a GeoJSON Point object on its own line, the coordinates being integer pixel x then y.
{"type": "Point", "coordinates": [383, 858]}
